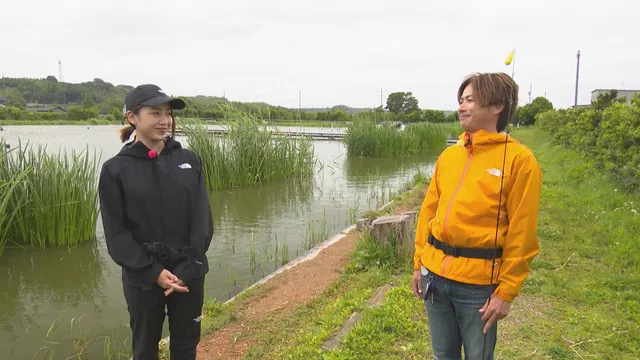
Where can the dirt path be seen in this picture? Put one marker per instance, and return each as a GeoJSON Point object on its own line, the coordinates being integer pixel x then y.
{"type": "Point", "coordinates": [290, 289]}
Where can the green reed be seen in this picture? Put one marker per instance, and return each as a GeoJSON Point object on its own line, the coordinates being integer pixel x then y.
{"type": "Point", "coordinates": [366, 138]}
{"type": "Point", "coordinates": [8, 196]}
{"type": "Point", "coordinates": [54, 197]}
{"type": "Point", "coordinates": [249, 154]}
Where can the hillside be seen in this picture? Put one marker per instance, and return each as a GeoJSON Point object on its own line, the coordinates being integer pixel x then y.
{"type": "Point", "coordinates": [24, 99]}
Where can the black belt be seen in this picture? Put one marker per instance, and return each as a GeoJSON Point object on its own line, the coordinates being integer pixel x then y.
{"type": "Point", "coordinates": [163, 251]}
{"type": "Point", "coordinates": [474, 253]}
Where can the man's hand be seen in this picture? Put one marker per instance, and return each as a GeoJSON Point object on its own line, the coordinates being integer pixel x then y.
{"type": "Point", "coordinates": [416, 284]}
{"type": "Point", "coordinates": [167, 280]}
{"type": "Point", "coordinates": [494, 310]}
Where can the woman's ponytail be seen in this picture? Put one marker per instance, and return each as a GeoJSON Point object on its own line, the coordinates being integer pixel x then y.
{"type": "Point", "coordinates": [125, 132]}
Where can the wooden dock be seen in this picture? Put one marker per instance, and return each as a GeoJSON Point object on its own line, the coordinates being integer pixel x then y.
{"type": "Point", "coordinates": [335, 136]}
{"type": "Point", "coordinates": [331, 136]}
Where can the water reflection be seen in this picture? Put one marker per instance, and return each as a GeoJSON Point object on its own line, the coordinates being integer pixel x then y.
{"type": "Point", "coordinates": [246, 205]}
{"type": "Point", "coordinates": [359, 169]}
{"type": "Point", "coordinates": [39, 284]}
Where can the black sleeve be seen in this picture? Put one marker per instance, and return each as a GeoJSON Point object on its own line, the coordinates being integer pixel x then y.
{"type": "Point", "coordinates": [195, 264]}
{"type": "Point", "coordinates": [123, 249]}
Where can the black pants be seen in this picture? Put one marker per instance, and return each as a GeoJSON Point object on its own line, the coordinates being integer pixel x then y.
{"type": "Point", "coordinates": [147, 312]}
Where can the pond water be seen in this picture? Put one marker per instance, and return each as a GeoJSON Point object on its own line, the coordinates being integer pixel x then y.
{"type": "Point", "coordinates": [80, 289]}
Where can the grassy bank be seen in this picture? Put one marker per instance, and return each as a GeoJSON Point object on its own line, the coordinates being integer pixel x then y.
{"type": "Point", "coordinates": [582, 299]}
{"type": "Point", "coordinates": [250, 154]}
{"type": "Point", "coordinates": [366, 138]}
{"type": "Point", "coordinates": [50, 199]}
{"type": "Point", "coordinates": [58, 122]}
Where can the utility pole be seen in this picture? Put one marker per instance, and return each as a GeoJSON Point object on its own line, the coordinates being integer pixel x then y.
{"type": "Point", "coordinates": [300, 108]}
{"type": "Point", "coordinates": [575, 100]}
{"type": "Point", "coordinates": [382, 107]}
{"type": "Point", "coordinates": [60, 78]}
{"type": "Point", "coordinates": [530, 88]}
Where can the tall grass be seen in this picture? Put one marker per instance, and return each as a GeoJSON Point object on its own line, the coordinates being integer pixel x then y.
{"type": "Point", "coordinates": [8, 187]}
{"type": "Point", "coordinates": [366, 138]}
{"type": "Point", "coordinates": [249, 154]}
{"type": "Point", "coordinates": [54, 202]}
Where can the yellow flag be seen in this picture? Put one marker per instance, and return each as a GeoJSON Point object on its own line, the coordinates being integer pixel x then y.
{"type": "Point", "coordinates": [509, 58]}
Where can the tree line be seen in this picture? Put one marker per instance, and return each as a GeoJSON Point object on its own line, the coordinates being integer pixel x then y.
{"type": "Point", "coordinates": [99, 98]}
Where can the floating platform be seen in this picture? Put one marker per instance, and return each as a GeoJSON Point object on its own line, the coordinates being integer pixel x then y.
{"type": "Point", "coordinates": [294, 134]}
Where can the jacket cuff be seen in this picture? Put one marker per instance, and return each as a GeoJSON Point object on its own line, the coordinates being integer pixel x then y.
{"type": "Point", "coordinates": [189, 270]}
{"type": "Point", "coordinates": [504, 295]}
{"type": "Point", "coordinates": [183, 271]}
{"type": "Point", "coordinates": [150, 275]}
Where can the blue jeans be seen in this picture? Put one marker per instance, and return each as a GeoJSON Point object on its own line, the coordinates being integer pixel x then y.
{"type": "Point", "coordinates": [454, 319]}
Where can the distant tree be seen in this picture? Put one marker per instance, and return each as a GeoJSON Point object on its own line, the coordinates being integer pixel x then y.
{"type": "Point", "coordinates": [15, 113]}
{"type": "Point", "coordinates": [115, 115]}
{"type": "Point", "coordinates": [15, 99]}
{"type": "Point", "coordinates": [527, 114]}
{"type": "Point", "coordinates": [414, 116]}
{"type": "Point", "coordinates": [81, 112]}
{"type": "Point", "coordinates": [434, 116]}
{"type": "Point", "coordinates": [451, 118]}
{"type": "Point", "coordinates": [636, 100]}
{"type": "Point", "coordinates": [341, 107]}
{"type": "Point", "coordinates": [87, 100]}
{"type": "Point", "coordinates": [402, 102]}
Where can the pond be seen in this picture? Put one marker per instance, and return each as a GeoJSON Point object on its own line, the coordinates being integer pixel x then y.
{"type": "Point", "coordinates": [80, 289]}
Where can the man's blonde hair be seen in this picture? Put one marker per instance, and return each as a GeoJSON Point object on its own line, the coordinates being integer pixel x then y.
{"type": "Point", "coordinates": [494, 89]}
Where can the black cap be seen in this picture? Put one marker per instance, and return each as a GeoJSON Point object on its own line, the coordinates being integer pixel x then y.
{"type": "Point", "coordinates": [151, 95]}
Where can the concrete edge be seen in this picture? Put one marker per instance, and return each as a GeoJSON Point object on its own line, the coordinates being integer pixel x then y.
{"type": "Point", "coordinates": [299, 260]}
{"type": "Point", "coordinates": [312, 253]}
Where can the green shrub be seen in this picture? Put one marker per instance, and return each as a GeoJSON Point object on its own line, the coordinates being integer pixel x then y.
{"type": "Point", "coordinates": [610, 137]}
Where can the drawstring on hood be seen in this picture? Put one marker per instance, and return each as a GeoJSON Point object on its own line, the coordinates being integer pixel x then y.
{"type": "Point", "coordinates": [140, 150]}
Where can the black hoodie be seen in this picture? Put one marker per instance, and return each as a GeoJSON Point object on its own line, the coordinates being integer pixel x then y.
{"type": "Point", "coordinates": [161, 199]}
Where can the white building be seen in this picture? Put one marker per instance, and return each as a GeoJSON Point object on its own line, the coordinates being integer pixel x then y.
{"type": "Point", "coordinates": [627, 94]}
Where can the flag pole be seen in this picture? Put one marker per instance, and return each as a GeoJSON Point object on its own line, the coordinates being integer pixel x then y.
{"type": "Point", "coordinates": [511, 60]}
{"type": "Point", "coordinates": [513, 66]}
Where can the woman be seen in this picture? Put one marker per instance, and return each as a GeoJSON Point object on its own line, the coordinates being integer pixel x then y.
{"type": "Point", "coordinates": [157, 225]}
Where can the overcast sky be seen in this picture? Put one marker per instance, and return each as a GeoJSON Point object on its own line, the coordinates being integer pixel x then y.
{"type": "Point", "coordinates": [333, 51]}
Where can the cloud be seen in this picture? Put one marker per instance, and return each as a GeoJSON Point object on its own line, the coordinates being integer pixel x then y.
{"type": "Point", "coordinates": [335, 52]}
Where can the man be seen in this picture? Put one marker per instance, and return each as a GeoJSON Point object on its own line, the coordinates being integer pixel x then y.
{"type": "Point", "coordinates": [476, 233]}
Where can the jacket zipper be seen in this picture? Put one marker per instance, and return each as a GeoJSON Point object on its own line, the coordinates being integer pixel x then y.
{"type": "Point", "coordinates": [446, 217]}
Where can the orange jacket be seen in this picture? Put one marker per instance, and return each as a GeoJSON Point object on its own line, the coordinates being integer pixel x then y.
{"type": "Point", "coordinates": [461, 209]}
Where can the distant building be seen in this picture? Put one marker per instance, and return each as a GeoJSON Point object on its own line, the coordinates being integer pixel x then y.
{"type": "Point", "coordinates": [627, 94]}
{"type": "Point", "coordinates": [45, 108]}
{"type": "Point", "coordinates": [3, 100]}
